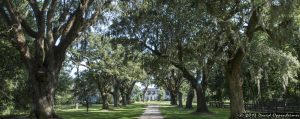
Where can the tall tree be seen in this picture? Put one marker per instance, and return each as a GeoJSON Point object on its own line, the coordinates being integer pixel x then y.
{"type": "Point", "coordinates": [170, 79]}
{"type": "Point", "coordinates": [112, 65]}
{"type": "Point", "coordinates": [238, 23]}
{"type": "Point", "coordinates": [84, 87]}
{"type": "Point", "coordinates": [52, 25]}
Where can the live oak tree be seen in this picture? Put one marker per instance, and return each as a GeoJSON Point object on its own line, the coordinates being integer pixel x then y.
{"type": "Point", "coordinates": [102, 62]}
{"type": "Point", "coordinates": [84, 88]}
{"type": "Point", "coordinates": [132, 71]}
{"type": "Point", "coordinates": [239, 22]}
{"type": "Point", "coordinates": [170, 79]}
{"type": "Point", "coordinates": [235, 52]}
{"type": "Point", "coordinates": [269, 70]}
{"type": "Point", "coordinates": [51, 25]}
{"type": "Point", "coordinates": [126, 90]}
{"type": "Point", "coordinates": [146, 83]}
{"type": "Point", "coordinates": [114, 68]}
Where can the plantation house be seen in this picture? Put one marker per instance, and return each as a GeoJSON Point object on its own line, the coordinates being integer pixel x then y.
{"type": "Point", "coordinates": [153, 94]}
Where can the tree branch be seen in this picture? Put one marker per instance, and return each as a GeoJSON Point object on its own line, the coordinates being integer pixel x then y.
{"type": "Point", "coordinates": [71, 30]}
{"type": "Point", "coordinates": [185, 72]}
{"type": "Point", "coordinates": [250, 30]}
{"type": "Point", "coordinates": [58, 30]}
{"type": "Point", "coordinates": [39, 16]}
{"type": "Point", "coordinates": [28, 29]}
{"type": "Point", "coordinates": [34, 6]}
{"type": "Point", "coordinates": [46, 4]}
{"type": "Point", "coordinates": [50, 14]}
{"type": "Point", "coordinates": [17, 30]}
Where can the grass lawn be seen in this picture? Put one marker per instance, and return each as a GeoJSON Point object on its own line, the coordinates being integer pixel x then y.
{"type": "Point", "coordinates": [173, 112]}
{"type": "Point", "coordinates": [95, 112]}
{"type": "Point", "coordinates": [132, 111]}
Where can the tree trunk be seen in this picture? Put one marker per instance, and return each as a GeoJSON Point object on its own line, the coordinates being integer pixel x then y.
{"type": "Point", "coordinates": [129, 92]}
{"type": "Point", "coordinates": [189, 99]}
{"type": "Point", "coordinates": [173, 98]}
{"type": "Point", "coordinates": [201, 101]}
{"type": "Point", "coordinates": [116, 95]}
{"type": "Point", "coordinates": [43, 86]}
{"type": "Point", "coordinates": [258, 90]}
{"type": "Point", "coordinates": [87, 104]}
{"type": "Point", "coordinates": [179, 99]}
{"type": "Point", "coordinates": [128, 98]}
{"type": "Point", "coordinates": [104, 97]}
{"type": "Point", "coordinates": [123, 99]}
{"type": "Point", "coordinates": [235, 84]}
{"type": "Point", "coordinates": [144, 92]}
{"type": "Point", "coordinates": [220, 98]}
{"type": "Point", "coordinates": [76, 105]}
{"type": "Point", "coordinates": [123, 95]}
{"type": "Point", "coordinates": [143, 97]}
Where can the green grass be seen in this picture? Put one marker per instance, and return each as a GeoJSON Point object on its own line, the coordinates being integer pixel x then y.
{"type": "Point", "coordinates": [135, 110]}
{"type": "Point", "coordinates": [95, 112]}
{"type": "Point", "coordinates": [173, 112]}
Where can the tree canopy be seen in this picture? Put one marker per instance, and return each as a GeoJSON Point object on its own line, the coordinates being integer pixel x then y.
{"type": "Point", "coordinates": [59, 52]}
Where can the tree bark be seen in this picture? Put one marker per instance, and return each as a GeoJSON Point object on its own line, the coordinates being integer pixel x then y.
{"type": "Point", "coordinates": [116, 94]}
{"type": "Point", "coordinates": [189, 99]}
{"type": "Point", "coordinates": [104, 97]}
{"type": "Point", "coordinates": [123, 95]}
{"type": "Point", "coordinates": [123, 99]}
{"type": "Point", "coordinates": [173, 96]}
{"type": "Point", "coordinates": [179, 99]}
{"type": "Point", "coordinates": [44, 82]}
{"type": "Point", "coordinates": [128, 98]}
{"type": "Point", "coordinates": [235, 84]}
{"type": "Point", "coordinates": [87, 104]}
{"type": "Point", "coordinates": [144, 91]}
{"type": "Point", "coordinates": [201, 101]}
{"type": "Point", "coordinates": [129, 92]}
{"type": "Point", "coordinates": [143, 97]}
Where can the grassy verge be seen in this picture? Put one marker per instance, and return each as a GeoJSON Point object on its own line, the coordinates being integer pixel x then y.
{"type": "Point", "coordinates": [173, 112]}
{"type": "Point", "coordinates": [95, 112]}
